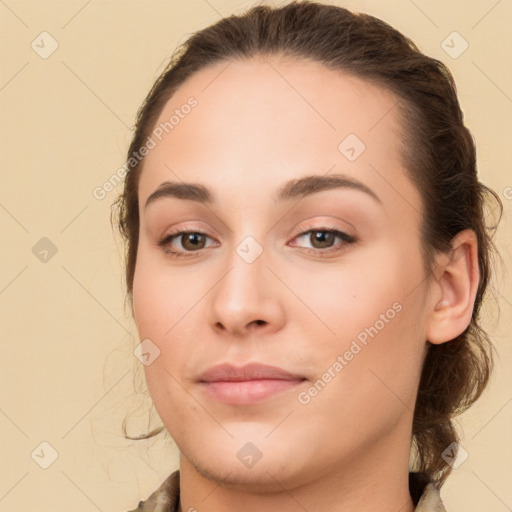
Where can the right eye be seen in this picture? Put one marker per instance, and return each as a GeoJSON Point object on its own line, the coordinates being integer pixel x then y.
{"type": "Point", "coordinates": [190, 242]}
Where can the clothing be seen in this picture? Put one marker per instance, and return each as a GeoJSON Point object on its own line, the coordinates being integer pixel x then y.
{"type": "Point", "coordinates": [166, 498]}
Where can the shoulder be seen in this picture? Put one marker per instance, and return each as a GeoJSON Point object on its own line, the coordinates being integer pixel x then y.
{"type": "Point", "coordinates": [163, 499]}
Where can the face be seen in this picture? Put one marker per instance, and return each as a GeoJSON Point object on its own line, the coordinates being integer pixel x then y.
{"type": "Point", "coordinates": [301, 251]}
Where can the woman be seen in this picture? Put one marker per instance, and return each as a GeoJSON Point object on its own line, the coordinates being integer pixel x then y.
{"type": "Point", "coordinates": [306, 261]}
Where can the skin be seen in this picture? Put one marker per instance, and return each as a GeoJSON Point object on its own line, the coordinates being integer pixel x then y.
{"type": "Point", "coordinates": [258, 124]}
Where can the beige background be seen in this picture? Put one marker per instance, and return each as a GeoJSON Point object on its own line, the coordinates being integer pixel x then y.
{"type": "Point", "coordinates": [67, 364]}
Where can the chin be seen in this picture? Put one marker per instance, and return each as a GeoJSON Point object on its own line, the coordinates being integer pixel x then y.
{"type": "Point", "coordinates": [261, 478]}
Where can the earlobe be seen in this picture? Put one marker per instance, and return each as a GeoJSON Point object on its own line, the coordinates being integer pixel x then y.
{"type": "Point", "coordinates": [454, 290]}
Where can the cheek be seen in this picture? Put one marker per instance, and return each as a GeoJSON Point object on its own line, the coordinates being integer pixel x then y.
{"type": "Point", "coordinates": [161, 298]}
{"type": "Point", "coordinates": [352, 296]}
{"type": "Point", "coordinates": [160, 305]}
{"type": "Point", "coordinates": [370, 318]}
{"type": "Point", "coordinates": [168, 310]}
{"type": "Point", "coordinates": [147, 302]}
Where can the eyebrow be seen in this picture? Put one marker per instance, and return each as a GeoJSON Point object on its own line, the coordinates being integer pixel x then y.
{"type": "Point", "coordinates": [296, 188]}
{"type": "Point", "coordinates": [308, 185]}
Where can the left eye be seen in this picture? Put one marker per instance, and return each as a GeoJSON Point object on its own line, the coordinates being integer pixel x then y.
{"type": "Point", "coordinates": [324, 238]}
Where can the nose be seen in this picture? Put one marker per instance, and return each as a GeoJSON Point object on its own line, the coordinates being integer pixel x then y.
{"type": "Point", "coordinates": [246, 300]}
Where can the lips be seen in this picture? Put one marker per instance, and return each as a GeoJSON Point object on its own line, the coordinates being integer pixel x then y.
{"type": "Point", "coordinates": [252, 371]}
{"type": "Point", "coordinates": [249, 384]}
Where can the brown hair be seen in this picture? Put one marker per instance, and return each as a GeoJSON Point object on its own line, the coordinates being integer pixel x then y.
{"type": "Point", "coordinates": [438, 151]}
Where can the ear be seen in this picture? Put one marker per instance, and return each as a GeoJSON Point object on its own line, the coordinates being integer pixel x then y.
{"type": "Point", "coordinates": [453, 289]}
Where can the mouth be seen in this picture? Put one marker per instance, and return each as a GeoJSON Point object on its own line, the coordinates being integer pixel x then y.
{"type": "Point", "coordinates": [247, 385]}
{"type": "Point", "coordinates": [249, 391]}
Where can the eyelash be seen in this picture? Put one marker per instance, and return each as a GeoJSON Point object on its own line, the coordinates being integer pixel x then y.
{"type": "Point", "coordinates": [166, 241]}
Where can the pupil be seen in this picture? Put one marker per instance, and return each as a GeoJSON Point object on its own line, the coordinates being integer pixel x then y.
{"type": "Point", "coordinates": [323, 237]}
{"type": "Point", "coordinates": [193, 239]}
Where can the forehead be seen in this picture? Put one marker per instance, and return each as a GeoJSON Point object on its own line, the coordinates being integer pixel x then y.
{"type": "Point", "coordinates": [261, 121]}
